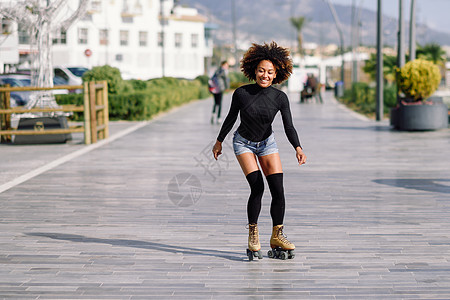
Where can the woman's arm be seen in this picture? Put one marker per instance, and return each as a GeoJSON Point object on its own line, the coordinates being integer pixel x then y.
{"type": "Point", "coordinates": [230, 119]}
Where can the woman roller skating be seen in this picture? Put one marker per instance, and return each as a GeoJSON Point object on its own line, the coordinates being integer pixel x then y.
{"type": "Point", "coordinates": [254, 141]}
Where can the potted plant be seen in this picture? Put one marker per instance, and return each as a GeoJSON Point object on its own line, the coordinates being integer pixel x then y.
{"type": "Point", "coordinates": [417, 109]}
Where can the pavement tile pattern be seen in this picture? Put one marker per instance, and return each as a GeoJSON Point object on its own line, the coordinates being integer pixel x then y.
{"type": "Point", "coordinates": [151, 215]}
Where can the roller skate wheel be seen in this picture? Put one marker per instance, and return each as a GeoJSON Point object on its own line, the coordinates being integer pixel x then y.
{"type": "Point", "coordinates": [249, 255]}
{"type": "Point", "coordinates": [283, 255]}
{"type": "Point", "coordinates": [291, 254]}
{"type": "Point", "coordinates": [259, 254]}
{"type": "Point", "coordinates": [270, 254]}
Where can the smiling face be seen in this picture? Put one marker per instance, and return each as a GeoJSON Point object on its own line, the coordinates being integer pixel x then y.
{"type": "Point", "coordinates": [265, 73]}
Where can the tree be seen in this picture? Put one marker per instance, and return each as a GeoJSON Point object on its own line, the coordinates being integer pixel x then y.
{"type": "Point", "coordinates": [298, 24]}
{"type": "Point", "coordinates": [39, 17]}
{"type": "Point", "coordinates": [432, 52]}
{"type": "Point", "coordinates": [389, 65]}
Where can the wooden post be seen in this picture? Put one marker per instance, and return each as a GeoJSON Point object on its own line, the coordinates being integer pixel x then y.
{"type": "Point", "coordinates": [2, 117]}
{"type": "Point", "coordinates": [7, 117]}
{"type": "Point", "coordinates": [106, 108]}
{"type": "Point", "coordinates": [100, 117]}
{"type": "Point", "coordinates": [93, 112]}
{"type": "Point", "coordinates": [87, 115]}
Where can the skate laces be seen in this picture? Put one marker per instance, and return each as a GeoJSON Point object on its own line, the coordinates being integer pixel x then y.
{"type": "Point", "coordinates": [253, 234]}
{"type": "Point", "coordinates": [282, 237]}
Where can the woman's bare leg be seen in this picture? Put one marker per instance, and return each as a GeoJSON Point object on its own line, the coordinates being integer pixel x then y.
{"type": "Point", "coordinates": [248, 162]}
{"type": "Point", "coordinates": [270, 164]}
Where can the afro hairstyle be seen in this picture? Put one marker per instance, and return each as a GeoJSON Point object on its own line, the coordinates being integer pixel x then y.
{"type": "Point", "coordinates": [279, 56]}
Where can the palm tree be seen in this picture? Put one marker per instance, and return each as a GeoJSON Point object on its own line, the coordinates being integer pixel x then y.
{"type": "Point", "coordinates": [432, 52]}
{"type": "Point", "coordinates": [389, 65]}
{"type": "Point", "coordinates": [299, 23]}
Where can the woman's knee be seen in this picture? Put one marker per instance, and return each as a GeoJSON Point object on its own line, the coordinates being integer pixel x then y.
{"type": "Point", "coordinates": [256, 182]}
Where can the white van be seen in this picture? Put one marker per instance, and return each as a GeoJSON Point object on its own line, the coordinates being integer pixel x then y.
{"type": "Point", "coordinates": [72, 75]}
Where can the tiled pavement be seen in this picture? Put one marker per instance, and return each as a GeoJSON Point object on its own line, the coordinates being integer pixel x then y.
{"type": "Point", "coordinates": [150, 215]}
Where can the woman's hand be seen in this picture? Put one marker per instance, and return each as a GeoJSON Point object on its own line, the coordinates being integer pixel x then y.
{"type": "Point", "coordinates": [217, 149]}
{"type": "Point", "coordinates": [301, 157]}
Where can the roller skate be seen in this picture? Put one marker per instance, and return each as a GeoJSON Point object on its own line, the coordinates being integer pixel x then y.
{"type": "Point", "coordinates": [281, 247]}
{"type": "Point", "coordinates": [254, 247]}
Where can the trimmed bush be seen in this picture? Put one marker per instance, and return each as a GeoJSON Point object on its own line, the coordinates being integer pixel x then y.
{"type": "Point", "coordinates": [150, 97]}
{"type": "Point", "coordinates": [418, 79]}
{"type": "Point", "coordinates": [110, 74]}
{"type": "Point", "coordinates": [237, 79]}
{"type": "Point", "coordinates": [361, 98]}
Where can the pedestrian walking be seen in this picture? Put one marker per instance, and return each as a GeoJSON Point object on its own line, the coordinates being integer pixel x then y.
{"type": "Point", "coordinates": [219, 84]}
{"type": "Point", "coordinates": [254, 141]}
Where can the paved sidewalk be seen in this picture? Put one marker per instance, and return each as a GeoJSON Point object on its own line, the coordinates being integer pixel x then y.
{"type": "Point", "coordinates": [150, 215]}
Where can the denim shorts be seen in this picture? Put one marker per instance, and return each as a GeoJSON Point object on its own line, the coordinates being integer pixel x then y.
{"type": "Point", "coordinates": [242, 145]}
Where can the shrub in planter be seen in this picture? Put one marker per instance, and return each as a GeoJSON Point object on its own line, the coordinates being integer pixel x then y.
{"type": "Point", "coordinates": [417, 110]}
{"type": "Point", "coordinates": [418, 79]}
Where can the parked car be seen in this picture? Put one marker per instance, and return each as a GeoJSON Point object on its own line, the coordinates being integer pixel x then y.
{"type": "Point", "coordinates": [71, 74]}
{"type": "Point", "coordinates": [26, 81]}
{"type": "Point", "coordinates": [56, 81]}
{"type": "Point", "coordinates": [23, 80]}
{"type": "Point", "coordinates": [16, 98]}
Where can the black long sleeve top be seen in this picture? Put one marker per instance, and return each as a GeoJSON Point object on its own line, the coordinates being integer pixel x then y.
{"type": "Point", "coordinates": [257, 107]}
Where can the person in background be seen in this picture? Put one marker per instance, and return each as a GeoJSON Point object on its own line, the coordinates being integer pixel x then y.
{"type": "Point", "coordinates": [312, 89]}
{"type": "Point", "coordinates": [223, 83]}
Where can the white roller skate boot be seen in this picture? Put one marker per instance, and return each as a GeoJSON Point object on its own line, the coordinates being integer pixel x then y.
{"type": "Point", "coordinates": [281, 247]}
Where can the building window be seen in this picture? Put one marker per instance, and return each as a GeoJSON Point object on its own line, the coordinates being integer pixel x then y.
{"type": "Point", "coordinates": [60, 37]}
{"type": "Point", "coordinates": [178, 40]}
{"type": "Point", "coordinates": [24, 37]}
{"type": "Point", "coordinates": [96, 5]}
{"type": "Point", "coordinates": [6, 26]}
{"type": "Point", "coordinates": [103, 36]}
{"type": "Point", "coordinates": [82, 36]}
{"type": "Point", "coordinates": [194, 40]}
{"type": "Point", "coordinates": [160, 39]}
{"type": "Point", "coordinates": [124, 38]}
{"type": "Point", "coordinates": [143, 38]}
{"type": "Point", "coordinates": [125, 7]}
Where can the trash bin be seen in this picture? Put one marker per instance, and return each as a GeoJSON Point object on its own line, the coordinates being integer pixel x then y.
{"type": "Point", "coordinates": [339, 89]}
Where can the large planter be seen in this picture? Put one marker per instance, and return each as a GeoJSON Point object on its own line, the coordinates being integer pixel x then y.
{"type": "Point", "coordinates": [429, 115]}
{"type": "Point", "coordinates": [39, 124]}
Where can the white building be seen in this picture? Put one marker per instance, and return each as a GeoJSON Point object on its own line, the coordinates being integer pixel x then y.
{"type": "Point", "coordinates": [143, 38]}
{"type": "Point", "coordinates": [9, 42]}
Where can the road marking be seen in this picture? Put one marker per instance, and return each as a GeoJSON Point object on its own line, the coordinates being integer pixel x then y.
{"type": "Point", "coordinates": [68, 157]}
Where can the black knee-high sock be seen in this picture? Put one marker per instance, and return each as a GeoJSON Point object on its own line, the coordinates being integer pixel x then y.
{"type": "Point", "coordinates": [255, 180]}
{"type": "Point", "coordinates": [277, 206]}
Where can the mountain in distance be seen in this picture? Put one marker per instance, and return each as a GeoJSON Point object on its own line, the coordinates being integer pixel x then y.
{"type": "Point", "coordinates": [266, 20]}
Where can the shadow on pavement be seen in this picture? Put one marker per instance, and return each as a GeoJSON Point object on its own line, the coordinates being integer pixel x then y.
{"type": "Point", "coordinates": [372, 128]}
{"type": "Point", "coordinates": [428, 185]}
{"type": "Point", "coordinates": [234, 256]}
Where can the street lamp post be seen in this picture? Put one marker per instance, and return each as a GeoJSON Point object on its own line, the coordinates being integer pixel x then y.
{"type": "Point", "coordinates": [379, 90]}
{"type": "Point", "coordinates": [401, 36]}
{"type": "Point", "coordinates": [163, 42]}
{"type": "Point", "coordinates": [236, 56]}
{"type": "Point", "coordinates": [412, 32]}
{"type": "Point", "coordinates": [341, 38]}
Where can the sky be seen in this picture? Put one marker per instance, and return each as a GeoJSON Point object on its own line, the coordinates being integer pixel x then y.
{"type": "Point", "coordinates": [433, 13]}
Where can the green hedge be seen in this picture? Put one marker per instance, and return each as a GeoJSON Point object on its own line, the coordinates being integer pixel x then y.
{"type": "Point", "coordinates": [361, 98]}
{"type": "Point", "coordinates": [141, 100]}
{"type": "Point", "coordinates": [237, 79]}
